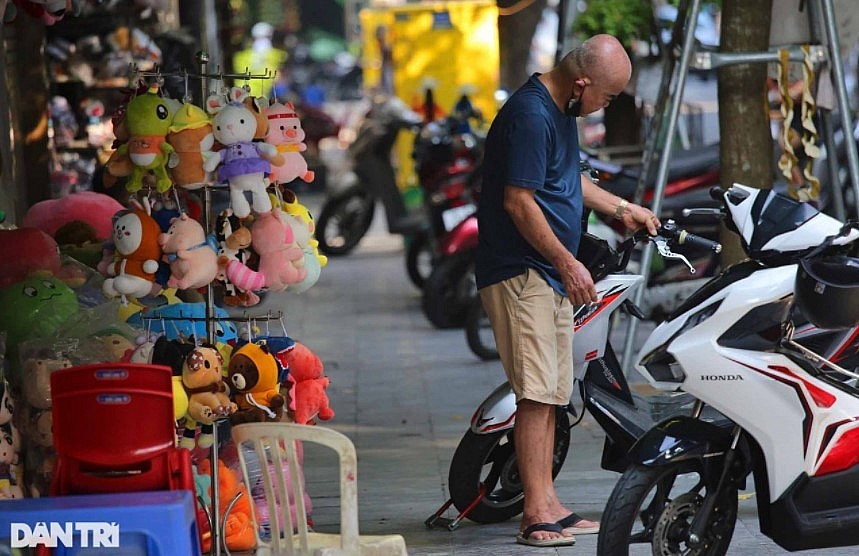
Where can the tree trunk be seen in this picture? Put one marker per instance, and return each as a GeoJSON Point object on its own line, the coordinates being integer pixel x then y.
{"type": "Point", "coordinates": [746, 143]}
{"type": "Point", "coordinates": [514, 40]}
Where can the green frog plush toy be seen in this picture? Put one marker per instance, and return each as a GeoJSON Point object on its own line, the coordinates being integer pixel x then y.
{"type": "Point", "coordinates": [148, 118]}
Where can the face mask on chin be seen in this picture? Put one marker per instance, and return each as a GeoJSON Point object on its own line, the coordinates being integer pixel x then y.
{"type": "Point", "coordinates": [574, 108]}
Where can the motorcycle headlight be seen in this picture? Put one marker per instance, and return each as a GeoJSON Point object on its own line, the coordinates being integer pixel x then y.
{"type": "Point", "coordinates": [662, 366]}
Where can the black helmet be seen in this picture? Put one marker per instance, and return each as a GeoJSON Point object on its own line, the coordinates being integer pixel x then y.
{"type": "Point", "coordinates": [826, 291]}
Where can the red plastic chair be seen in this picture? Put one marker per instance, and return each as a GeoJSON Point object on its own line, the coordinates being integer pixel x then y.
{"type": "Point", "coordinates": [114, 430]}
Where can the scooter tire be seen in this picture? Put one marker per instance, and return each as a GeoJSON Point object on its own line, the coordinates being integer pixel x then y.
{"type": "Point", "coordinates": [419, 259]}
{"type": "Point", "coordinates": [448, 290]}
{"type": "Point", "coordinates": [478, 333]}
{"type": "Point", "coordinates": [666, 513]}
{"type": "Point", "coordinates": [504, 497]}
{"type": "Point", "coordinates": [343, 222]}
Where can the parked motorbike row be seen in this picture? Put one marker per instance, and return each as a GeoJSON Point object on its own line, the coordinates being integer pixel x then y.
{"type": "Point", "coordinates": [447, 155]}
{"type": "Point", "coordinates": [764, 357]}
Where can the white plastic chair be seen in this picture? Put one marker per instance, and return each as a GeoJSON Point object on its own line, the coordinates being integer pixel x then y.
{"type": "Point", "coordinates": [276, 442]}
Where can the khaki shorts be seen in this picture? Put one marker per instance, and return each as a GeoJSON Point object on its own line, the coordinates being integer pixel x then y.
{"type": "Point", "coordinates": [533, 328]}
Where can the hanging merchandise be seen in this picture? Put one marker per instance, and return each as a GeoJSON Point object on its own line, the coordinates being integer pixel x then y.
{"type": "Point", "coordinates": [797, 167]}
{"type": "Point", "coordinates": [253, 373]}
{"type": "Point", "coordinates": [148, 117]}
{"type": "Point", "coordinates": [190, 252]}
{"type": "Point", "coordinates": [281, 260]}
{"type": "Point", "coordinates": [307, 397]}
{"type": "Point", "coordinates": [137, 254]}
{"type": "Point", "coordinates": [286, 134]}
{"type": "Point", "coordinates": [190, 135]}
{"type": "Point", "coordinates": [234, 242]}
{"type": "Point", "coordinates": [243, 164]}
{"type": "Point", "coordinates": [207, 395]}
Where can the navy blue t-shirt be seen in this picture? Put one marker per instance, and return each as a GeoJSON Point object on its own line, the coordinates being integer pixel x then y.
{"type": "Point", "coordinates": [532, 144]}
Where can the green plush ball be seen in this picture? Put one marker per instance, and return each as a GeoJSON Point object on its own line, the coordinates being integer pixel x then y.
{"type": "Point", "coordinates": [35, 308]}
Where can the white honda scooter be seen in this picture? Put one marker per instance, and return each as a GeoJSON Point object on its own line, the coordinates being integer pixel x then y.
{"type": "Point", "coordinates": [765, 406]}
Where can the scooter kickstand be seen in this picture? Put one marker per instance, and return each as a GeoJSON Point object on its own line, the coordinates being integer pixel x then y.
{"type": "Point", "coordinates": [452, 524]}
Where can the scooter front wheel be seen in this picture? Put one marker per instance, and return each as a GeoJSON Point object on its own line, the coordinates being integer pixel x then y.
{"type": "Point", "coordinates": [478, 332]}
{"type": "Point", "coordinates": [343, 221]}
{"type": "Point", "coordinates": [657, 505]}
{"type": "Point", "coordinates": [419, 259]}
{"type": "Point", "coordinates": [449, 289]}
{"type": "Point", "coordinates": [490, 460]}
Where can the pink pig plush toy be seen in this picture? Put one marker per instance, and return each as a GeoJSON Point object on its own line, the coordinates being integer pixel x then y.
{"type": "Point", "coordinates": [286, 134]}
{"type": "Point", "coordinates": [192, 254]}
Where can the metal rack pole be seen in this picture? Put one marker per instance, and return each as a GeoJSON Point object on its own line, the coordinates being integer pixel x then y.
{"type": "Point", "coordinates": [662, 172]}
{"type": "Point", "coordinates": [841, 93]}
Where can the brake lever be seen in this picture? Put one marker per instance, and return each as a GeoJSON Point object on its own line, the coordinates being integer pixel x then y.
{"type": "Point", "coordinates": [666, 252]}
{"type": "Point", "coordinates": [716, 212]}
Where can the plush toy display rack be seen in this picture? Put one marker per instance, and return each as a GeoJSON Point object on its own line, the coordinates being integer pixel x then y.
{"type": "Point", "coordinates": [207, 81]}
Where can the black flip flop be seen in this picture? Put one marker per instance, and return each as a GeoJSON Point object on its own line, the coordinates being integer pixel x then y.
{"type": "Point", "coordinates": [525, 536]}
{"type": "Point", "coordinates": [569, 525]}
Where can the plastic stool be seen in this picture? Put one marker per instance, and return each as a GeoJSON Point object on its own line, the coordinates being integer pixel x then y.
{"type": "Point", "coordinates": [159, 523]}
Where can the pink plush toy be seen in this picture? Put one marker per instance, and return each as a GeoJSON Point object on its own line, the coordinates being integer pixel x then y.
{"type": "Point", "coordinates": [286, 134]}
{"type": "Point", "coordinates": [96, 209]}
{"type": "Point", "coordinates": [191, 254]}
{"type": "Point", "coordinates": [307, 397]}
{"type": "Point", "coordinates": [281, 260]}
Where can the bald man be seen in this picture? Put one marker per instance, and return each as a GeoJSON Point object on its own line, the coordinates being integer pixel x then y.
{"type": "Point", "coordinates": [530, 220]}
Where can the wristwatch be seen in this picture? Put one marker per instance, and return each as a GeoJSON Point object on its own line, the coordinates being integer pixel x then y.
{"type": "Point", "coordinates": [621, 208]}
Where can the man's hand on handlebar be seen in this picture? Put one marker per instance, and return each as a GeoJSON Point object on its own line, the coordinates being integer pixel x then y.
{"type": "Point", "coordinates": [637, 216]}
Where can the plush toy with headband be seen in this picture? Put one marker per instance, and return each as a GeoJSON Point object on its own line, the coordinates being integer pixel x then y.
{"type": "Point", "coordinates": [286, 134]}
{"type": "Point", "coordinates": [148, 117]}
{"type": "Point", "coordinates": [242, 164]}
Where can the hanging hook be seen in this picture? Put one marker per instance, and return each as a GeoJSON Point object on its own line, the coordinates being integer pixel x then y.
{"type": "Point", "coordinates": [178, 203]}
{"type": "Point", "coordinates": [283, 325]}
{"type": "Point", "coordinates": [187, 96]}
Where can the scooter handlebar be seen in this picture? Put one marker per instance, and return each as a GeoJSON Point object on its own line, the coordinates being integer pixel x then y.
{"type": "Point", "coordinates": [679, 236]}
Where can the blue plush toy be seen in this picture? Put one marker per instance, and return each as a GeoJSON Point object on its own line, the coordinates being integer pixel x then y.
{"type": "Point", "coordinates": [183, 320]}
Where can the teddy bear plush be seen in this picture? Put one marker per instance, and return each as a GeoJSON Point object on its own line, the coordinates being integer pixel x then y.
{"type": "Point", "coordinates": [192, 255]}
{"type": "Point", "coordinates": [191, 137]}
{"type": "Point", "coordinates": [281, 260]}
{"type": "Point", "coordinates": [253, 373]}
{"type": "Point", "coordinates": [148, 117]}
{"type": "Point", "coordinates": [135, 241]}
{"type": "Point", "coordinates": [207, 394]}
{"type": "Point", "coordinates": [307, 397]}
{"type": "Point", "coordinates": [286, 134]}
{"type": "Point", "coordinates": [242, 164]}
